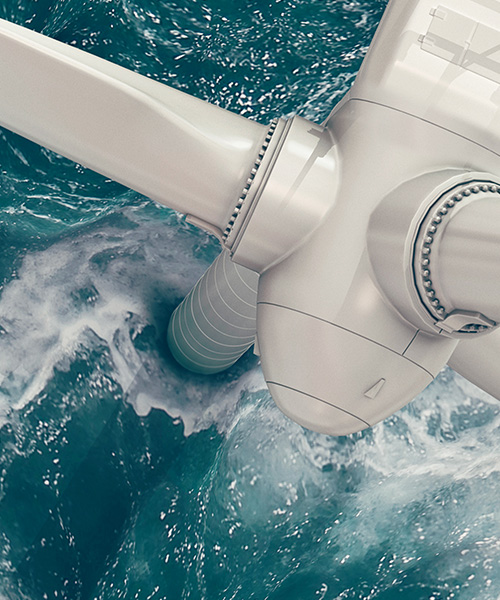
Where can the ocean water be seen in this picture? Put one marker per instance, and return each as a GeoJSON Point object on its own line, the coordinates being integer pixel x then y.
{"type": "Point", "coordinates": [124, 476]}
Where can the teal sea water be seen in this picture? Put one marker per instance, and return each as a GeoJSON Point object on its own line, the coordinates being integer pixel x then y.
{"type": "Point", "coordinates": [122, 476]}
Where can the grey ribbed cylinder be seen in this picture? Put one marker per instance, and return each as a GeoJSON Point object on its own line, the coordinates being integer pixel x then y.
{"type": "Point", "coordinates": [215, 324]}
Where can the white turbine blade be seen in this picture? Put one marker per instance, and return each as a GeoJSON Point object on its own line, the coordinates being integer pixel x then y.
{"type": "Point", "coordinates": [477, 361]}
{"type": "Point", "coordinates": [178, 150]}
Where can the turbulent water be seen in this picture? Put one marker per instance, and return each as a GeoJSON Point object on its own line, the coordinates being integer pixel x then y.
{"type": "Point", "coordinates": [124, 476]}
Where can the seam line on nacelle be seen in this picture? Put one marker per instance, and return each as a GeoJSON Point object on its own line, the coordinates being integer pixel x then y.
{"type": "Point", "coordinates": [410, 343]}
{"type": "Point", "coordinates": [409, 114]}
{"type": "Point", "coordinates": [288, 387]}
{"type": "Point", "coordinates": [301, 312]}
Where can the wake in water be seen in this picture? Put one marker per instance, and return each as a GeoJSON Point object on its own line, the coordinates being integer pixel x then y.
{"type": "Point", "coordinates": [405, 510]}
{"type": "Point", "coordinates": [110, 284]}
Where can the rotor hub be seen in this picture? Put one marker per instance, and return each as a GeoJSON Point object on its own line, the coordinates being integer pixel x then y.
{"type": "Point", "coordinates": [427, 266]}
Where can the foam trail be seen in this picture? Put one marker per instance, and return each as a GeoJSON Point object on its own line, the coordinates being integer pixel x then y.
{"type": "Point", "coordinates": [412, 501]}
{"type": "Point", "coordinates": [106, 280]}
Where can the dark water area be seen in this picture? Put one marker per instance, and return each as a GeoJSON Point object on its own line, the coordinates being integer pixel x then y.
{"type": "Point", "coordinates": [124, 476]}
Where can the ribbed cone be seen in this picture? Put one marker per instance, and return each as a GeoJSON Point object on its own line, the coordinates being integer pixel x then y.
{"type": "Point", "coordinates": [215, 323]}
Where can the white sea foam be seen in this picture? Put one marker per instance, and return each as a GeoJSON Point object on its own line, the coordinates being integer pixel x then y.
{"type": "Point", "coordinates": [110, 280]}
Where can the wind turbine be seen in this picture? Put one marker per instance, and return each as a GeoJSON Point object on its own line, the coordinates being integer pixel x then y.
{"type": "Point", "coordinates": [360, 255]}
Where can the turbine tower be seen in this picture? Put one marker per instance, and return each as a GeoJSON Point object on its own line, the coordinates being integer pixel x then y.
{"type": "Point", "coordinates": [360, 255]}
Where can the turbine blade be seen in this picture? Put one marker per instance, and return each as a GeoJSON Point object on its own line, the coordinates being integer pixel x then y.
{"type": "Point", "coordinates": [176, 149]}
{"type": "Point", "coordinates": [477, 361]}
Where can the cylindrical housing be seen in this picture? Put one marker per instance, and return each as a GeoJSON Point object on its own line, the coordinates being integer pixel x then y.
{"type": "Point", "coordinates": [468, 258]}
{"type": "Point", "coordinates": [215, 324]}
